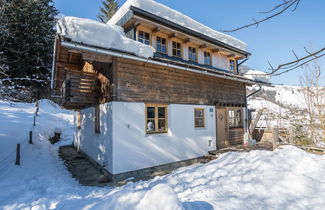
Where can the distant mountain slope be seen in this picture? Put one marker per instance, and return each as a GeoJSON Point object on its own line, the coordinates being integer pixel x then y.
{"type": "Point", "coordinates": [283, 105]}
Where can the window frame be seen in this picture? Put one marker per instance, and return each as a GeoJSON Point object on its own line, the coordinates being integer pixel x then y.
{"type": "Point", "coordinates": [144, 32]}
{"type": "Point", "coordinates": [210, 60]}
{"type": "Point", "coordinates": [181, 49]}
{"type": "Point", "coordinates": [236, 124]}
{"type": "Point", "coordinates": [166, 40]}
{"type": "Point", "coordinates": [203, 116]}
{"type": "Point", "coordinates": [233, 67]}
{"type": "Point", "coordinates": [196, 54]}
{"type": "Point", "coordinates": [156, 119]}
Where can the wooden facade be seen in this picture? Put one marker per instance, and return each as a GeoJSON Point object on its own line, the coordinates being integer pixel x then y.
{"type": "Point", "coordinates": [142, 82]}
{"type": "Point", "coordinates": [87, 79]}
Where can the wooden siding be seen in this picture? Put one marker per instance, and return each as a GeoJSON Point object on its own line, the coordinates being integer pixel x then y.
{"type": "Point", "coordinates": [136, 81]}
{"type": "Point", "coordinates": [236, 136]}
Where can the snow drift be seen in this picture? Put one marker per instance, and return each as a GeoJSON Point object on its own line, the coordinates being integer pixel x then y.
{"type": "Point", "coordinates": [98, 34]}
{"type": "Point", "coordinates": [176, 17]}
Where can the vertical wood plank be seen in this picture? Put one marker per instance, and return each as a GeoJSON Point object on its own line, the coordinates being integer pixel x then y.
{"type": "Point", "coordinates": [275, 132]}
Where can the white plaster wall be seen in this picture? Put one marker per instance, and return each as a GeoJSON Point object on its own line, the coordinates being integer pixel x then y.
{"type": "Point", "coordinates": [170, 47]}
{"type": "Point", "coordinates": [185, 52]}
{"type": "Point", "coordinates": [200, 56]}
{"type": "Point", "coordinates": [221, 62]}
{"type": "Point", "coordinates": [133, 149]}
{"type": "Point", "coordinates": [96, 145]}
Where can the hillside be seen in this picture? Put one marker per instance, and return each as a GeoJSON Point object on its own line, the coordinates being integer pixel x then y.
{"type": "Point", "coordinates": [283, 105]}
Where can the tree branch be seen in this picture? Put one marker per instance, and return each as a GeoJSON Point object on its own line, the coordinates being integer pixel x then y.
{"type": "Point", "coordinates": [285, 6]}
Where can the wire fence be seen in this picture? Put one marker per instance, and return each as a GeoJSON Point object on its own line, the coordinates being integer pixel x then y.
{"type": "Point", "coordinates": [10, 160]}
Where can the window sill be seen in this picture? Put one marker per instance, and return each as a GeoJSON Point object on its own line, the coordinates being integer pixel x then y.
{"type": "Point", "coordinates": [161, 132]}
{"type": "Point", "coordinates": [230, 127]}
{"type": "Point", "coordinates": [199, 127]}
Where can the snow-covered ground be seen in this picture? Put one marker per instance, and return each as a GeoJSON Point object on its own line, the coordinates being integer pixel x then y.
{"type": "Point", "coordinates": [287, 178]}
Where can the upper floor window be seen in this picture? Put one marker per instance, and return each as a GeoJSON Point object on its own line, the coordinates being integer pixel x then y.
{"type": "Point", "coordinates": [144, 37]}
{"type": "Point", "coordinates": [232, 65]}
{"type": "Point", "coordinates": [207, 58]}
{"type": "Point", "coordinates": [161, 45]}
{"type": "Point", "coordinates": [177, 49]}
{"type": "Point", "coordinates": [156, 119]}
{"type": "Point", "coordinates": [192, 56]}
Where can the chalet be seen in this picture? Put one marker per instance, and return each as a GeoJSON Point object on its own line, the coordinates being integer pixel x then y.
{"type": "Point", "coordinates": [152, 88]}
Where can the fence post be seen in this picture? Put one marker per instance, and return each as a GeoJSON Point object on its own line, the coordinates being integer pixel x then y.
{"type": "Point", "coordinates": [291, 135]}
{"type": "Point", "coordinates": [275, 132]}
{"type": "Point", "coordinates": [37, 107]}
{"type": "Point", "coordinates": [34, 121]}
{"type": "Point", "coordinates": [18, 154]}
{"type": "Point", "coordinates": [30, 137]}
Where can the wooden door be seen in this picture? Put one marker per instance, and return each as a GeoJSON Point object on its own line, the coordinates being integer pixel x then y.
{"type": "Point", "coordinates": [222, 128]}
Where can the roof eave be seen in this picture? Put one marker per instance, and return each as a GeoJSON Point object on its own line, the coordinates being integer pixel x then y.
{"type": "Point", "coordinates": [142, 13]}
{"type": "Point", "coordinates": [114, 52]}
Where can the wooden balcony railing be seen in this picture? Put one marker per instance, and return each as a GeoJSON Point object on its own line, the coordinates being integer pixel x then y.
{"type": "Point", "coordinates": [80, 90]}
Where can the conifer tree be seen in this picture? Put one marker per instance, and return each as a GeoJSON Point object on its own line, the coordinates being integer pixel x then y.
{"type": "Point", "coordinates": [26, 43]}
{"type": "Point", "coordinates": [107, 10]}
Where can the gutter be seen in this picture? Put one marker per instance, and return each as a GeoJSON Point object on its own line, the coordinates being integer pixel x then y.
{"type": "Point", "coordinates": [53, 63]}
{"type": "Point", "coordinates": [147, 60]}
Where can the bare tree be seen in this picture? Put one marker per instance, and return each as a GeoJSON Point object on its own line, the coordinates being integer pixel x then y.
{"type": "Point", "coordinates": [297, 62]}
{"type": "Point", "coordinates": [314, 96]}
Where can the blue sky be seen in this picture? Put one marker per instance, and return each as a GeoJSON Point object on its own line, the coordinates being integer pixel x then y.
{"type": "Point", "coordinates": [272, 41]}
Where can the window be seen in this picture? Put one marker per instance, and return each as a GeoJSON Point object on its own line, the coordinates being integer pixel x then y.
{"type": "Point", "coordinates": [199, 121]}
{"type": "Point", "coordinates": [78, 120]}
{"type": "Point", "coordinates": [144, 37]}
{"type": "Point", "coordinates": [235, 118]}
{"type": "Point", "coordinates": [232, 65]}
{"type": "Point", "coordinates": [192, 54]}
{"type": "Point", "coordinates": [207, 58]}
{"type": "Point", "coordinates": [97, 119]}
{"type": "Point", "coordinates": [156, 119]}
{"type": "Point", "coordinates": [161, 45]}
{"type": "Point", "coordinates": [177, 49]}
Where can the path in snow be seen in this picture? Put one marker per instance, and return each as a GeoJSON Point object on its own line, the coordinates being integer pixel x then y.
{"type": "Point", "coordinates": [287, 178]}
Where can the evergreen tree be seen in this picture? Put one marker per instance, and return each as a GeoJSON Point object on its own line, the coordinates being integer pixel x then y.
{"type": "Point", "coordinates": [26, 43]}
{"type": "Point", "coordinates": [107, 10]}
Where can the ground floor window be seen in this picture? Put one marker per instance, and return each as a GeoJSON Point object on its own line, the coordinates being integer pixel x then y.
{"type": "Point", "coordinates": [156, 118]}
{"type": "Point", "coordinates": [199, 121]}
{"type": "Point", "coordinates": [235, 118]}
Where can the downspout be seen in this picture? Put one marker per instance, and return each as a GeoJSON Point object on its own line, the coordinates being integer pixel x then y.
{"type": "Point", "coordinates": [238, 64]}
{"type": "Point", "coordinates": [248, 134]}
{"type": "Point", "coordinates": [256, 91]}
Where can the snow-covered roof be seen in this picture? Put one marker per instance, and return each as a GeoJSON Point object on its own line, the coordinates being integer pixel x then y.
{"type": "Point", "coordinates": [256, 75]}
{"type": "Point", "coordinates": [176, 17]}
{"type": "Point", "coordinates": [98, 34]}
